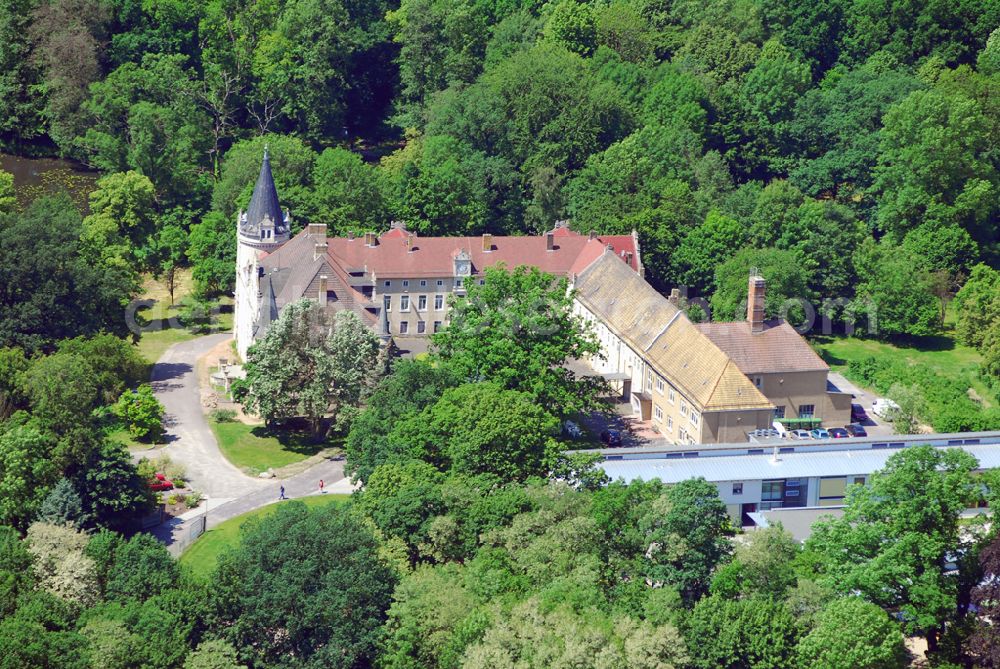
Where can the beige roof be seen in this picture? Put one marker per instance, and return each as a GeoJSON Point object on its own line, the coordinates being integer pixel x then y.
{"type": "Point", "coordinates": [779, 348]}
{"type": "Point", "coordinates": [662, 334]}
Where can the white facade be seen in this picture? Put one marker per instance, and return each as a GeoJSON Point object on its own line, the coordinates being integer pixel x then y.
{"type": "Point", "coordinates": [246, 305]}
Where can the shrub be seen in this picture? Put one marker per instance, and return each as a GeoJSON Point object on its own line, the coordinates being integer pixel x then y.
{"type": "Point", "coordinates": [141, 413]}
{"type": "Point", "coordinates": [193, 499]}
{"type": "Point", "coordinates": [223, 415]}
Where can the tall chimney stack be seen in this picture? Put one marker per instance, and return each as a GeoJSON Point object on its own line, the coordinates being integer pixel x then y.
{"type": "Point", "coordinates": [319, 250]}
{"type": "Point", "coordinates": [322, 296]}
{"type": "Point", "coordinates": [487, 242]}
{"type": "Point", "coordinates": [755, 301]}
{"type": "Point", "coordinates": [550, 241]}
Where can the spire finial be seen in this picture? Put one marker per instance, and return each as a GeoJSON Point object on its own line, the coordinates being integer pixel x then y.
{"type": "Point", "coordinates": [265, 151]}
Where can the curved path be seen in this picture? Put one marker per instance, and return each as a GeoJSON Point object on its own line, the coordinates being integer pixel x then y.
{"type": "Point", "coordinates": [190, 441]}
{"type": "Point", "coordinates": [228, 491]}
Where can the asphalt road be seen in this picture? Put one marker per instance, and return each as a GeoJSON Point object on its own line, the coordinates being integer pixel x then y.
{"type": "Point", "coordinates": [190, 441]}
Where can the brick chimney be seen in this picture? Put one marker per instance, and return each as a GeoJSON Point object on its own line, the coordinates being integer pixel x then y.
{"type": "Point", "coordinates": [675, 296]}
{"type": "Point", "coordinates": [487, 242]}
{"type": "Point", "coordinates": [322, 296]}
{"type": "Point", "coordinates": [317, 230]}
{"type": "Point", "coordinates": [370, 239]}
{"type": "Point", "coordinates": [409, 243]}
{"type": "Point", "coordinates": [550, 241]}
{"type": "Point", "coordinates": [319, 249]}
{"type": "Point", "coordinates": [755, 301]}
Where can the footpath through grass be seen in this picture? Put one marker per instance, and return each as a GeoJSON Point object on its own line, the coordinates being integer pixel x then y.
{"type": "Point", "coordinates": [255, 449]}
{"type": "Point", "coordinates": [201, 557]}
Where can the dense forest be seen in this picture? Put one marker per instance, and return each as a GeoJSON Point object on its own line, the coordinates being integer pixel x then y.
{"type": "Point", "coordinates": [847, 146]}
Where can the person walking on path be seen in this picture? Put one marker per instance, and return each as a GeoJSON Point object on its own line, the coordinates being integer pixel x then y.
{"type": "Point", "coordinates": [321, 486]}
{"type": "Point", "coordinates": [281, 493]}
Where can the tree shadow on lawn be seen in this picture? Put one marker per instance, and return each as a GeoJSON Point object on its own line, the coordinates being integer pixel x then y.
{"type": "Point", "coordinates": [293, 437]}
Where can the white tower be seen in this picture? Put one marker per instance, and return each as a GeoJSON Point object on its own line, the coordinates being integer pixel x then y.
{"type": "Point", "coordinates": [262, 228]}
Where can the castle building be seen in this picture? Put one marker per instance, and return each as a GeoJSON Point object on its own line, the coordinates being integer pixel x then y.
{"type": "Point", "coordinates": [397, 282]}
{"type": "Point", "coordinates": [698, 383]}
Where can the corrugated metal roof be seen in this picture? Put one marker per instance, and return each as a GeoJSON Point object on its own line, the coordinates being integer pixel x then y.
{"type": "Point", "coordinates": [760, 467]}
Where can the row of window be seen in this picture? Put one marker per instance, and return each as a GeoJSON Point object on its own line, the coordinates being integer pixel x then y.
{"type": "Point", "coordinates": [404, 327]}
{"type": "Point", "coordinates": [805, 411]}
{"type": "Point", "coordinates": [404, 302]}
{"type": "Point", "coordinates": [423, 283]}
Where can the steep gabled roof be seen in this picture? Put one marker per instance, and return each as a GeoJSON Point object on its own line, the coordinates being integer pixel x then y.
{"type": "Point", "coordinates": [663, 334]}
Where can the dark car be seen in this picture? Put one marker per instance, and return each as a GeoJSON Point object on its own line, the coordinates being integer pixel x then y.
{"type": "Point", "coordinates": [838, 433]}
{"type": "Point", "coordinates": [856, 430]}
{"type": "Point", "coordinates": [858, 414]}
{"type": "Point", "coordinates": [612, 437]}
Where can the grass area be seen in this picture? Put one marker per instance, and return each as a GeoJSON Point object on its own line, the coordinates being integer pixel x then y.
{"type": "Point", "coordinates": [942, 354]}
{"type": "Point", "coordinates": [123, 437]}
{"type": "Point", "coordinates": [163, 316]}
{"type": "Point", "coordinates": [201, 557]}
{"type": "Point", "coordinates": [255, 449]}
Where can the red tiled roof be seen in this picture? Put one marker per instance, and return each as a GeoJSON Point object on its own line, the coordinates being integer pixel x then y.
{"type": "Point", "coordinates": [779, 348]}
{"type": "Point", "coordinates": [433, 256]}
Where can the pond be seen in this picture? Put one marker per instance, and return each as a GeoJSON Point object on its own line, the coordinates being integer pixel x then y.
{"type": "Point", "coordinates": [35, 177]}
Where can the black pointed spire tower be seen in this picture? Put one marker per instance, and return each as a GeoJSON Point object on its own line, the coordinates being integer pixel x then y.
{"type": "Point", "coordinates": [263, 224]}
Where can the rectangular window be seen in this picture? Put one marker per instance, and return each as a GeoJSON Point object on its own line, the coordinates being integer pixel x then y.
{"type": "Point", "coordinates": [660, 385]}
{"type": "Point", "coordinates": [406, 284]}
{"type": "Point", "coordinates": [421, 327]}
{"type": "Point", "coordinates": [438, 302]}
{"type": "Point", "coordinates": [404, 327]}
{"type": "Point", "coordinates": [670, 424]}
{"type": "Point", "coordinates": [682, 434]}
{"type": "Point", "coordinates": [832, 487]}
{"type": "Point", "coordinates": [437, 326]}
{"type": "Point", "coordinates": [806, 410]}
{"type": "Point", "coordinates": [440, 282]}
{"type": "Point", "coordinates": [422, 303]}
{"type": "Point", "coordinates": [738, 488]}
{"type": "Point", "coordinates": [859, 480]}
{"type": "Point", "coordinates": [758, 381]}
{"type": "Point", "coordinates": [694, 418]}
{"type": "Point", "coordinates": [658, 413]}
{"type": "Point", "coordinates": [779, 412]}
{"type": "Point", "coordinates": [458, 283]}
{"type": "Point", "coordinates": [684, 408]}
{"type": "Point", "coordinates": [404, 302]}
{"type": "Point", "coordinates": [649, 381]}
{"type": "Point", "coordinates": [423, 283]}
{"type": "Point", "coordinates": [387, 302]}
{"type": "Point", "coordinates": [387, 283]}
{"type": "Point", "coordinates": [772, 491]}
{"type": "Point", "coordinates": [671, 396]}
{"type": "Point", "coordinates": [482, 281]}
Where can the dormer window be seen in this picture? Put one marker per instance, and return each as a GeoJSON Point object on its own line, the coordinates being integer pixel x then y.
{"type": "Point", "coordinates": [463, 264]}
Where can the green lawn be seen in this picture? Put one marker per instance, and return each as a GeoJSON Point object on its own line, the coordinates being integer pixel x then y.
{"type": "Point", "coordinates": [942, 354]}
{"type": "Point", "coordinates": [255, 449]}
{"type": "Point", "coordinates": [201, 557]}
{"type": "Point", "coordinates": [154, 343]}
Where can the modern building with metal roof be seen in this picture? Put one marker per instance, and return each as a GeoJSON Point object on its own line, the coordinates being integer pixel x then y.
{"type": "Point", "coordinates": [807, 475]}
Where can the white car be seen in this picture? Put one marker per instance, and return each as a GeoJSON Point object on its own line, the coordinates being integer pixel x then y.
{"type": "Point", "coordinates": [799, 434]}
{"type": "Point", "coordinates": [881, 407]}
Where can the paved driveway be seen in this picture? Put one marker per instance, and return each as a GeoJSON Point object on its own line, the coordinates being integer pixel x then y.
{"type": "Point", "coordinates": [189, 439]}
{"type": "Point", "coordinates": [873, 426]}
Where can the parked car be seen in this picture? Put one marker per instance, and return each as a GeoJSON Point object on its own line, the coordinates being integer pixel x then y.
{"type": "Point", "coordinates": [612, 437]}
{"type": "Point", "coordinates": [858, 414]}
{"type": "Point", "coordinates": [820, 433]}
{"type": "Point", "coordinates": [856, 430]}
{"type": "Point", "coordinates": [800, 434]}
{"type": "Point", "coordinates": [882, 406]}
{"type": "Point", "coordinates": [571, 429]}
{"type": "Point", "coordinates": [160, 482]}
{"type": "Point", "coordinates": [838, 433]}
